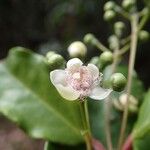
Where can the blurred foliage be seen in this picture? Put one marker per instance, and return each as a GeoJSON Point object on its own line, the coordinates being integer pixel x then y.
{"type": "Point", "coordinates": [141, 131]}
{"type": "Point", "coordinates": [28, 99]}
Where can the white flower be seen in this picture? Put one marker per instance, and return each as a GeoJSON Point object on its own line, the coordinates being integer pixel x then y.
{"type": "Point", "coordinates": [78, 81]}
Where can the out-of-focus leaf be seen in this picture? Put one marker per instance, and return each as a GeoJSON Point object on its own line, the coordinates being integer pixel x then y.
{"type": "Point", "coordinates": [142, 143]}
{"type": "Point", "coordinates": [141, 131]}
{"type": "Point", "coordinates": [147, 2]}
{"type": "Point", "coordinates": [56, 146]}
{"type": "Point", "coordinates": [28, 98]}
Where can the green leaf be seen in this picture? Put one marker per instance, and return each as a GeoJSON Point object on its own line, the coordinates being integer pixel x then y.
{"type": "Point", "coordinates": [28, 98]}
{"type": "Point", "coordinates": [55, 146]}
{"type": "Point", "coordinates": [141, 131]}
{"type": "Point", "coordinates": [142, 143]}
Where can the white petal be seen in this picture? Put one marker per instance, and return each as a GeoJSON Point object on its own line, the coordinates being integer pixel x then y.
{"type": "Point", "coordinates": [58, 77]}
{"type": "Point", "coordinates": [99, 93]}
{"type": "Point", "coordinates": [67, 92]}
{"type": "Point", "coordinates": [94, 70]}
{"type": "Point", "coordinates": [75, 62]}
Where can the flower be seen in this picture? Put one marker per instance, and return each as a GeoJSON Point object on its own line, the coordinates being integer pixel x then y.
{"type": "Point", "coordinates": [78, 81]}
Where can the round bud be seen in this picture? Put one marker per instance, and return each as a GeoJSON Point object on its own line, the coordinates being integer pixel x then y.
{"type": "Point", "coordinates": [128, 4]}
{"type": "Point", "coordinates": [109, 15]}
{"type": "Point", "coordinates": [109, 5]}
{"type": "Point", "coordinates": [113, 42]}
{"type": "Point", "coordinates": [88, 38]}
{"type": "Point", "coordinates": [118, 28]}
{"type": "Point", "coordinates": [77, 49]}
{"type": "Point", "coordinates": [106, 58]}
{"type": "Point", "coordinates": [54, 60]}
{"type": "Point", "coordinates": [119, 25]}
{"type": "Point", "coordinates": [121, 103]}
{"type": "Point", "coordinates": [143, 35]}
{"type": "Point", "coordinates": [118, 82]}
{"type": "Point", "coordinates": [133, 102]}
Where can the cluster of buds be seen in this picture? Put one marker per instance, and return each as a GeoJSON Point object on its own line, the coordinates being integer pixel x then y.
{"type": "Point", "coordinates": [121, 103]}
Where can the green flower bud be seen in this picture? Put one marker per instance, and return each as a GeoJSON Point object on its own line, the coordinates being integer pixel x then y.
{"type": "Point", "coordinates": [118, 82]}
{"type": "Point", "coordinates": [128, 4]}
{"type": "Point", "coordinates": [109, 15]}
{"type": "Point", "coordinates": [77, 49]}
{"type": "Point", "coordinates": [88, 38]}
{"type": "Point", "coordinates": [113, 42]}
{"type": "Point", "coordinates": [118, 28]}
{"type": "Point", "coordinates": [143, 36]}
{"type": "Point", "coordinates": [54, 60]}
{"type": "Point", "coordinates": [106, 58]}
{"type": "Point", "coordinates": [109, 5]}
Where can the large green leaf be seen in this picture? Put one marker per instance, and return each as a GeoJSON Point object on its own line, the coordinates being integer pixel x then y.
{"type": "Point", "coordinates": [28, 98]}
{"type": "Point", "coordinates": [141, 130]}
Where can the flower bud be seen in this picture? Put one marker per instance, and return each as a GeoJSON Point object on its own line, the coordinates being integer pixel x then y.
{"type": "Point", "coordinates": [89, 38]}
{"type": "Point", "coordinates": [118, 28]}
{"type": "Point", "coordinates": [77, 49]}
{"type": "Point", "coordinates": [109, 15]}
{"type": "Point", "coordinates": [54, 60]}
{"type": "Point", "coordinates": [109, 5]}
{"type": "Point", "coordinates": [113, 42]}
{"type": "Point", "coordinates": [143, 36]}
{"type": "Point", "coordinates": [128, 4]}
{"type": "Point", "coordinates": [121, 103]}
{"type": "Point", "coordinates": [106, 58]}
{"type": "Point", "coordinates": [118, 82]}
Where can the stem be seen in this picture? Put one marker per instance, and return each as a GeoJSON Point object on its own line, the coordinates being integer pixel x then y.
{"type": "Point", "coordinates": [100, 46]}
{"type": "Point", "coordinates": [87, 116]}
{"type": "Point", "coordinates": [134, 28]}
{"type": "Point", "coordinates": [122, 12]}
{"type": "Point", "coordinates": [108, 104]}
{"type": "Point", "coordinates": [143, 21]}
{"type": "Point", "coordinates": [86, 124]}
{"type": "Point", "coordinates": [124, 49]}
{"type": "Point", "coordinates": [125, 40]}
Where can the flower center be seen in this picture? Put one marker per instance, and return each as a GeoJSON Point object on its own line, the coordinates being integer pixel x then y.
{"type": "Point", "coordinates": [80, 80]}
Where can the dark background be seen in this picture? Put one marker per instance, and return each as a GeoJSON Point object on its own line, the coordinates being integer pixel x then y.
{"type": "Point", "coordinates": [43, 25]}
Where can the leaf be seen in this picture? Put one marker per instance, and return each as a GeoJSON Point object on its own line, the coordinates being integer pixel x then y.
{"type": "Point", "coordinates": [141, 131]}
{"type": "Point", "coordinates": [55, 146]}
{"type": "Point", "coordinates": [28, 98]}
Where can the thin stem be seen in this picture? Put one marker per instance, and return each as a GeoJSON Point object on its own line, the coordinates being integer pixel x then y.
{"type": "Point", "coordinates": [125, 40]}
{"type": "Point", "coordinates": [100, 46]}
{"type": "Point", "coordinates": [134, 28]}
{"type": "Point", "coordinates": [87, 116]}
{"type": "Point", "coordinates": [143, 21]}
{"type": "Point", "coordinates": [108, 104]}
{"type": "Point", "coordinates": [86, 132]}
{"type": "Point", "coordinates": [124, 49]}
{"type": "Point", "coordinates": [122, 12]}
